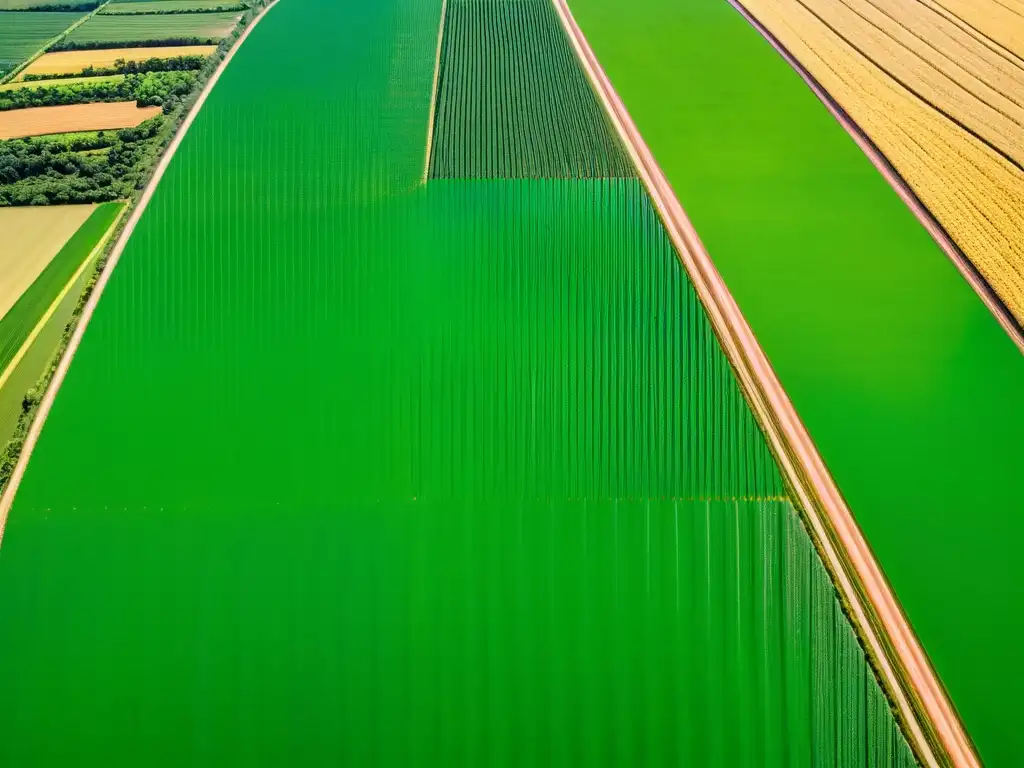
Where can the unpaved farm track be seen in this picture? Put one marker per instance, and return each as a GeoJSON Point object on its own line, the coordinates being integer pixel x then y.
{"type": "Point", "coordinates": [920, 700]}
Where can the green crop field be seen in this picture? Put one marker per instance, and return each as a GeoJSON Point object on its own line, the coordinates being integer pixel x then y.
{"type": "Point", "coordinates": [165, 6]}
{"type": "Point", "coordinates": [21, 318]}
{"type": "Point", "coordinates": [113, 29]}
{"type": "Point", "coordinates": [909, 387]}
{"type": "Point", "coordinates": [503, 115]}
{"type": "Point", "coordinates": [22, 33]}
{"type": "Point", "coordinates": [355, 470]}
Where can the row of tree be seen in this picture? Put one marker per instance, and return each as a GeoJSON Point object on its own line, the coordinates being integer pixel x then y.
{"type": "Point", "coordinates": [181, 11]}
{"type": "Point", "coordinates": [122, 67]}
{"type": "Point", "coordinates": [153, 89]}
{"type": "Point", "coordinates": [82, 7]}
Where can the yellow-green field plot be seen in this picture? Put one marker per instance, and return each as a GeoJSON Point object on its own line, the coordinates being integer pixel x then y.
{"type": "Point", "coordinates": [41, 121]}
{"type": "Point", "coordinates": [73, 62]}
{"type": "Point", "coordinates": [164, 6]}
{"type": "Point", "coordinates": [18, 85]}
{"type": "Point", "coordinates": [31, 238]}
{"type": "Point", "coordinates": [939, 88]}
{"type": "Point", "coordinates": [63, 243]}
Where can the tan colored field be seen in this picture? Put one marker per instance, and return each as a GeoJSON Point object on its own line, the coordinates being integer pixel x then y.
{"type": "Point", "coordinates": [41, 121]}
{"type": "Point", "coordinates": [73, 62]}
{"type": "Point", "coordinates": [908, 72]}
{"type": "Point", "coordinates": [31, 238]}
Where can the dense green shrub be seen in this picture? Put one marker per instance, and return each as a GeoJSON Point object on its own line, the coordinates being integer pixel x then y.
{"type": "Point", "coordinates": [44, 171]}
{"type": "Point", "coordinates": [152, 89]}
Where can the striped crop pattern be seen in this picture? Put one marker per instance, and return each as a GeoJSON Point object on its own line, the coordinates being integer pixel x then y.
{"type": "Point", "coordinates": [396, 474]}
{"type": "Point", "coordinates": [512, 100]}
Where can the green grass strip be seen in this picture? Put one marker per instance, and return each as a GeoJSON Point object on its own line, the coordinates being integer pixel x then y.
{"type": "Point", "coordinates": [19, 321]}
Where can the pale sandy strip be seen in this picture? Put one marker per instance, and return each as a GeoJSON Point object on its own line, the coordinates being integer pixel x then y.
{"type": "Point", "coordinates": [433, 90]}
{"type": "Point", "coordinates": [7, 499]}
{"type": "Point", "coordinates": [815, 491]}
{"type": "Point", "coordinates": [86, 262]}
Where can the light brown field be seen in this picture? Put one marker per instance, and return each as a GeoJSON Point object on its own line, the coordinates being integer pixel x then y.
{"type": "Point", "coordinates": [31, 238]}
{"type": "Point", "coordinates": [18, 85]}
{"type": "Point", "coordinates": [944, 105]}
{"type": "Point", "coordinates": [41, 121]}
{"type": "Point", "coordinates": [73, 62]}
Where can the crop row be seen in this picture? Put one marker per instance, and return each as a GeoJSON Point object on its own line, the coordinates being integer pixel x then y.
{"type": "Point", "coordinates": [513, 102]}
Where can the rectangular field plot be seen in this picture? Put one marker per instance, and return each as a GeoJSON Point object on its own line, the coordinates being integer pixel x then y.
{"type": "Point", "coordinates": [103, 29]}
{"type": "Point", "coordinates": [62, 259]}
{"type": "Point", "coordinates": [165, 6]}
{"type": "Point", "coordinates": [31, 238]}
{"type": "Point", "coordinates": [73, 62]}
{"type": "Point", "coordinates": [24, 33]}
{"type": "Point", "coordinates": [42, 121]}
{"type": "Point", "coordinates": [513, 102]}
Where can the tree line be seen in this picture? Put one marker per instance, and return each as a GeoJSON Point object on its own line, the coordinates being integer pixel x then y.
{"type": "Point", "coordinates": [122, 67]}
{"type": "Point", "coordinates": [55, 170]}
{"type": "Point", "coordinates": [153, 89]}
{"type": "Point", "coordinates": [87, 5]}
{"type": "Point", "coordinates": [180, 12]}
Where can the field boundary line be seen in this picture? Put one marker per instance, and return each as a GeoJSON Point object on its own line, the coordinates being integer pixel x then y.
{"type": "Point", "coordinates": [938, 233]}
{"type": "Point", "coordinates": [7, 499]}
{"type": "Point", "coordinates": [893, 649]}
{"type": "Point", "coordinates": [52, 309]}
{"type": "Point", "coordinates": [433, 90]}
{"type": "Point", "coordinates": [27, 62]}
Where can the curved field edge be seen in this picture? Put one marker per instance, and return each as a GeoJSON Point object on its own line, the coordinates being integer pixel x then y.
{"type": "Point", "coordinates": [865, 596]}
{"type": "Point", "coordinates": [16, 455]}
{"type": "Point", "coordinates": [970, 272]}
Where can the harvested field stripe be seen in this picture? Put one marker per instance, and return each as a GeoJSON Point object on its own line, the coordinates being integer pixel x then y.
{"type": "Point", "coordinates": [840, 542]}
{"type": "Point", "coordinates": [7, 497]}
{"type": "Point", "coordinates": [433, 91]}
{"type": "Point", "coordinates": [70, 63]}
{"type": "Point", "coordinates": [962, 121]}
{"type": "Point", "coordinates": [970, 273]}
{"type": "Point", "coordinates": [89, 260]}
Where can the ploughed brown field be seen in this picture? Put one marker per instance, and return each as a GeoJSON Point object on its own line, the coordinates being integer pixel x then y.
{"type": "Point", "coordinates": [40, 121]}
{"type": "Point", "coordinates": [73, 62]}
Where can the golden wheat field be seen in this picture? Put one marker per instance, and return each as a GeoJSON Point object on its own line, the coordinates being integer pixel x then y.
{"type": "Point", "coordinates": [32, 237]}
{"type": "Point", "coordinates": [940, 91]}
{"type": "Point", "coordinates": [73, 62]}
{"type": "Point", "coordinates": [42, 121]}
